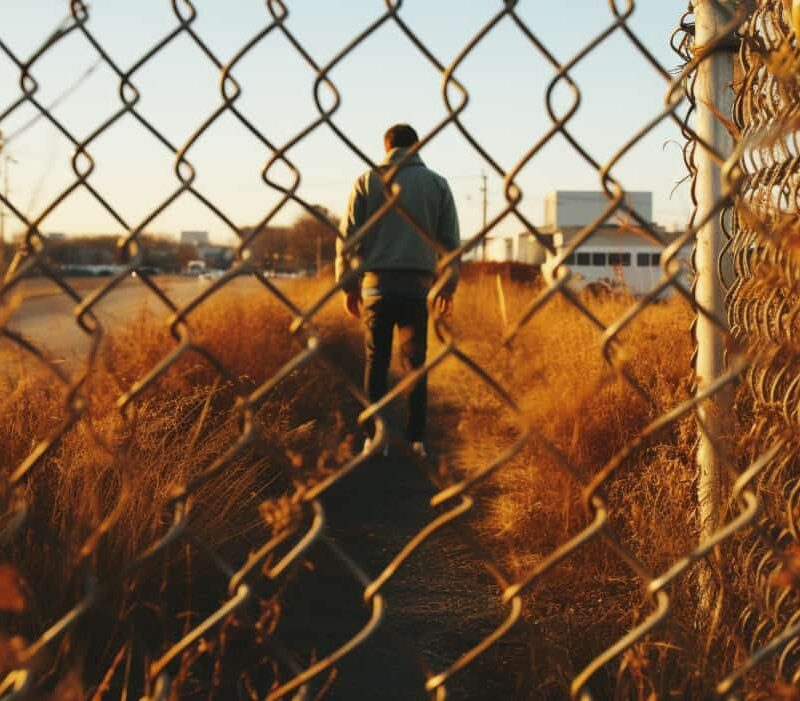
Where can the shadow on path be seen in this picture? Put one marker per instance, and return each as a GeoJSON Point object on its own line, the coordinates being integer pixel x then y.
{"type": "Point", "coordinates": [440, 604]}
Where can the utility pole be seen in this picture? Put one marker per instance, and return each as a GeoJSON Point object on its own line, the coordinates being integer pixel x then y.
{"type": "Point", "coordinates": [3, 214]}
{"type": "Point", "coordinates": [485, 193]}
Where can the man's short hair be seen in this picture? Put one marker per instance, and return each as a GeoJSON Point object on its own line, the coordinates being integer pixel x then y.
{"type": "Point", "coordinates": [400, 136]}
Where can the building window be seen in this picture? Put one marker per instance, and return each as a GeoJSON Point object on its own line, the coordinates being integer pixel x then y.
{"type": "Point", "coordinates": [598, 259]}
{"type": "Point", "coordinates": [643, 260]}
{"type": "Point", "coordinates": [570, 259]}
{"type": "Point", "coordinates": [655, 259]}
{"type": "Point", "coordinates": [584, 259]}
{"type": "Point", "coordinates": [619, 259]}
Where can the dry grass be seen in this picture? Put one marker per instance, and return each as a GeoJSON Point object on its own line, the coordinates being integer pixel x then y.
{"type": "Point", "coordinates": [555, 371]}
{"type": "Point", "coordinates": [181, 424]}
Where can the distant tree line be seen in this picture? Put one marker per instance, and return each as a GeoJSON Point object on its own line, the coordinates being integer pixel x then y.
{"type": "Point", "coordinates": [297, 247]}
{"type": "Point", "coordinates": [310, 239]}
{"type": "Point", "coordinates": [159, 252]}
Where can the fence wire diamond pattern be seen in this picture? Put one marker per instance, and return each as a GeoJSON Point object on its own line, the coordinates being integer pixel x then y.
{"type": "Point", "coordinates": [760, 204]}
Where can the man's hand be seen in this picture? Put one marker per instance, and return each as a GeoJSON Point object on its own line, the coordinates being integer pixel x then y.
{"type": "Point", "coordinates": [443, 305]}
{"type": "Point", "coordinates": [352, 304]}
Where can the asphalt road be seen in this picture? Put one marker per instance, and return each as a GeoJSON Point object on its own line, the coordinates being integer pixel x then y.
{"type": "Point", "coordinates": [44, 314]}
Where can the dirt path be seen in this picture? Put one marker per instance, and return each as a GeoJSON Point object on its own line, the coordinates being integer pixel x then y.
{"type": "Point", "coordinates": [439, 605]}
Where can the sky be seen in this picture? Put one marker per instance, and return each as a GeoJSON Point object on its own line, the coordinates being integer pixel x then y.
{"type": "Point", "coordinates": [385, 80]}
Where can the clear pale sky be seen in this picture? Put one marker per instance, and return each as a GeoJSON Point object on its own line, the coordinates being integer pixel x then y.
{"type": "Point", "coordinates": [385, 80]}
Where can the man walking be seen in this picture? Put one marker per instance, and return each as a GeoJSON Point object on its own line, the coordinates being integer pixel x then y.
{"type": "Point", "coordinates": [397, 269]}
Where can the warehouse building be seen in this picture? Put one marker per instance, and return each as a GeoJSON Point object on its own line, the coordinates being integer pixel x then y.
{"type": "Point", "coordinates": [194, 238]}
{"type": "Point", "coordinates": [614, 254]}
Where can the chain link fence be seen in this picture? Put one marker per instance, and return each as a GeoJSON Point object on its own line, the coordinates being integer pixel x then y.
{"type": "Point", "coordinates": [763, 310]}
{"type": "Point", "coordinates": [758, 207]}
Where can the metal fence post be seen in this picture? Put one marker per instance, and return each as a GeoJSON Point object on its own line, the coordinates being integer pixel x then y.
{"type": "Point", "coordinates": [714, 95]}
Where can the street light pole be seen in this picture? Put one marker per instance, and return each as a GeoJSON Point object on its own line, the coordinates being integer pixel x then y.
{"type": "Point", "coordinates": [484, 191]}
{"type": "Point", "coordinates": [7, 159]}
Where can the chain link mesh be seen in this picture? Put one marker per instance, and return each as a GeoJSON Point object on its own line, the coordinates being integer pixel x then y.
{"type": "Point", "coordinates": [766, 207]}
{"type": "Point", "coordinates": [763, 305]}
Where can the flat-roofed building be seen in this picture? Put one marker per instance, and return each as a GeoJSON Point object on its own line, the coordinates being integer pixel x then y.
{"type": "Point", "coordinates": [195, 238]}
{"type": "Point", "coordinates": [614, 255]}
{"type": "Point", "coordinates": [493, 248]}
{"type": "Point", "coordinates": [618, 252]}
{"type": "Point", "coordinates": [530, 249]}
{"type": "Point", "coordinates": [568, 208]}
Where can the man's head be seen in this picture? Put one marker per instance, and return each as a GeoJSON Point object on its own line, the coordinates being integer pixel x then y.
{"type": "Point", "coordinates": [399, 136]}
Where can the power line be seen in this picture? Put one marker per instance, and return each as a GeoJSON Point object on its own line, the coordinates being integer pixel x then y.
{"type": "Point", "coordinates": [349, 181]}
{"type": "Point", "coordinates": [60, 99]}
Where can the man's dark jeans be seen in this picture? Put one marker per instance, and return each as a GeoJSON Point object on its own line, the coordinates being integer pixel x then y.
{"type": "Point", "coordinates": [381, 314]}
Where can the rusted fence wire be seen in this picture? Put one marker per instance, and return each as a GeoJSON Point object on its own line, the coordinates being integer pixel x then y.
{"type": "Point", "coordinates": [763, 309]}
{"type": "Point", "coordinates": [762, 191]}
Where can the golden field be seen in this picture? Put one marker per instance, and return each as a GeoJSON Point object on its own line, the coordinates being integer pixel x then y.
{"type": "Point", "coordinates": [554, 370]}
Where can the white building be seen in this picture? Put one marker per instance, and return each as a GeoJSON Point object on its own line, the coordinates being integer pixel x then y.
{"type": "Point", "coordinates": [195, 238]}
{"type": "Point", "coordinates": [529, 250]}
{"type": "Point", "coordinates": [568, 208]}
{"type": "Point", "coordinates": [498, 248]}
{"type": "Point", "coordinates": [615, 256]}
{"type": "Point", "coordinates": [615, 253]}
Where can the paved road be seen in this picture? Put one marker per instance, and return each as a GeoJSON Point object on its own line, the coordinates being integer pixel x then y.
{"type": "Point", "coordinates": [45, 315]}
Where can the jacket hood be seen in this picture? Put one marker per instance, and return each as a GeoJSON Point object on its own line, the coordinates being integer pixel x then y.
{"type": "Point", "coordinates": [397, 153]}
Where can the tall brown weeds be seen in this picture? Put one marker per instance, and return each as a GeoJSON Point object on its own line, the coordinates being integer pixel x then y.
{"type": "Point", "coordinates": [177, 428]}
{"type": "Point", "coordinates": [556, 372]}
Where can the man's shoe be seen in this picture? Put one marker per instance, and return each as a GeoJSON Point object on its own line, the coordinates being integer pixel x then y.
{"type": "Point", "coordinates": [418, 449]}
{"type": "Point", "coordinates": [368, 445]}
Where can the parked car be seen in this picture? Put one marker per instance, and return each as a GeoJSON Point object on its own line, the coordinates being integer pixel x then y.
{"type": "Point", "coordinates": [145, 270]}
{"type": "Point", "coordinates": [213, 274]}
